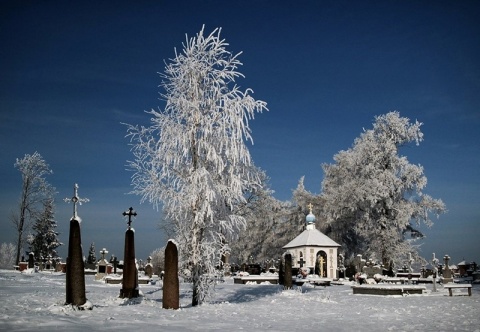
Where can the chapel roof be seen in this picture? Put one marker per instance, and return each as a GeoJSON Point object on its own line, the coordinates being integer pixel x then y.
{"type": "Point", "coordinates": [311, 237]}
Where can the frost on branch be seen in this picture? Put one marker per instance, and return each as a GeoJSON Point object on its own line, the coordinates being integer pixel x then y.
{"type": "Point", "coordinates": [373, 196]}
{"type": "Point", "coordinates": [193, 159]}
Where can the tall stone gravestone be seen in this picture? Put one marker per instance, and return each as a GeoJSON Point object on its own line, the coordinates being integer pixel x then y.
{"type": "Point", "coordinates": [130, 273]}
{"type": "Point", "coordinates": [170, 279]}
{"type": "Point", "coordinates": [75, 272]}
{"type": "Point", "coordinates": [288, 283]}
{"type": "Point", "coordinates": [31, 261]}
{"type": "Point", "coordinates": [281, 272]}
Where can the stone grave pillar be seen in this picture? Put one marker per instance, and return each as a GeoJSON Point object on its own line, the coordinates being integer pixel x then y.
{"type": "Point", "coordinates": [31, 261]}
{"type": "Point", "coordinates": [75, 276]}
{"type": "Point", "coordinates": [171, 292]}
{"type": "Point", "coordinates": [288, 283]}
{"type": "Point", "coordinates": [130, 273]}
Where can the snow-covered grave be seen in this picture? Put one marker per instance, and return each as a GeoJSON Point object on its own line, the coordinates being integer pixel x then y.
{"type": "Point", "coordinates": [34, 302]}
{"type": "Point", "coordinates": [262, 278]}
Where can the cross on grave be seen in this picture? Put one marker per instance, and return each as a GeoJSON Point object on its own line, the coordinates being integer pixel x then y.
{"type": "Point", "coordinates": [103, 252]}
{"type": "Point", "coordinates": [75, 199]}
{"type": "Point", "coordinates": [115, 263]}
{"type": "Point", "coordinates": [130, 213]}
{"type": "Point", "coordinates": [301, 261]}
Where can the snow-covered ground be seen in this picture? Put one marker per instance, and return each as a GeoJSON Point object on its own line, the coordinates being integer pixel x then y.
{"type": "Point", "coordinates": [34, 302]}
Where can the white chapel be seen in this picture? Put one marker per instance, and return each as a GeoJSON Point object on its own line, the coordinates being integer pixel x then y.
{"type": "Point", "coordinates": [314, 250]}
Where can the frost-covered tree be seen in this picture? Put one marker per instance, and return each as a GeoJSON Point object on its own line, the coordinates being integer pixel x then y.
{"type": "Point", "coordinates": [263, 215]}
{"type": "Point", "coordinates": [158, 260]}
{"type": "Point", "coordinates": [44, 241]}
{"type": "Point", "coordinates": [35, 191]}
{"type": "Point", "coordinates": [374, 197]}
{"type": "Point", "coordinates": [92, 256]}
{"type": "Point", "coordinates": [7, 255]}
{"type": "Point", "coordinates": [193, 159]}
{"type": "Point", "coordinates": [271, 224]}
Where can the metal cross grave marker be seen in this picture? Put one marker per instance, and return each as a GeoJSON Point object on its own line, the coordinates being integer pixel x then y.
{"type": "Point", "coordinates": [75, 199]}
{"type": "Point", "coordinates": [130, 213]}
{"type": "Point", "coordinates": [103, 252]}
{"type": "Point", "coordinates": [301, 261]}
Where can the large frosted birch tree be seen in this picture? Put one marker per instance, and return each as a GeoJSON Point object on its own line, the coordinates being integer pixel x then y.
{"type": "Point", "coordinates": [373, 197]}
{"type": "Point", "coordinates": [193, 159]}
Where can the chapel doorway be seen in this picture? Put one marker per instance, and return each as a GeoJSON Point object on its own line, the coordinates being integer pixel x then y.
{"type": "Point", "coordinates": [321, 264]}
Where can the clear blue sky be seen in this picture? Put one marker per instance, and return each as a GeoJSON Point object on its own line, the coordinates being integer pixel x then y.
{"type": "Point", "coordinates": [71, 73]}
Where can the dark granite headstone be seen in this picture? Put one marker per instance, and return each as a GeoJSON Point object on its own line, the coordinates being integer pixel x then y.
{"type": "Point", "coordinates": [170, 280]}
{"type": "Point", "coordinates": [130, 278]}
{"type": "Point", "coordinates": [31, 261]}
{"type": "Point", "coordinates": [288, 283]}
{"type": "Point", "coordinates": [75, 277]}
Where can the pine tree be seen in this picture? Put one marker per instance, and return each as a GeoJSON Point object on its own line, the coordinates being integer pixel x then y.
{"type": "Point", "coordinates": [44, 241]}
{"type": "Point", "coordinates": [92, 257]}
{"type": "Point", "coordinates": [193, 159]}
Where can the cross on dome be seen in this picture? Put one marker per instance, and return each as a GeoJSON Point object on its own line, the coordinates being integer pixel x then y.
{"type": "Point", "coordinates": [310, 207]}
{"type": "Point", "coordinates": [310, 219]}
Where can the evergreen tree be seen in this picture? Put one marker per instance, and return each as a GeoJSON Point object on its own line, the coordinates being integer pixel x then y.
{"type": "Point", "coordinates": [373, 196]}
{"type": "Point", "coordinates": [44, 241]}
{"type": "Point", "coordinates": [92, 257]}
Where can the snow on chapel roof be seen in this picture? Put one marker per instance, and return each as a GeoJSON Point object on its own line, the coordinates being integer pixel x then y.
{"type": "Point", "coordinates": [311, 237]}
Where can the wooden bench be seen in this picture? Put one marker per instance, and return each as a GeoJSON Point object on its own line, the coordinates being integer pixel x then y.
{"type": "Point", "coordinates": [458, 286]}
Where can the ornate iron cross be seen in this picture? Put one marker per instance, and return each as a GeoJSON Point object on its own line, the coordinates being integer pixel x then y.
{"type": "Point", "coordinates": [75, 199]}
{"type": "Point", "coordinates": [130, 213]}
